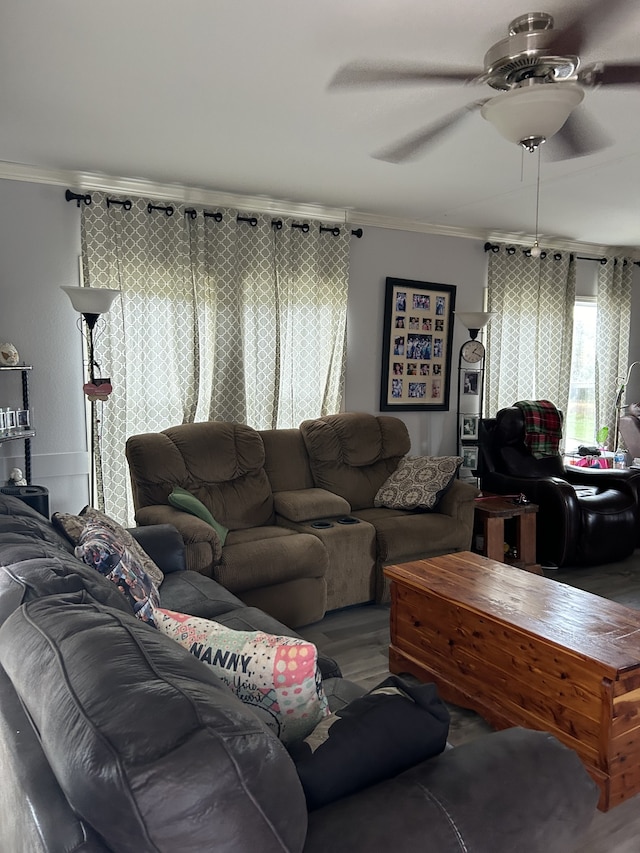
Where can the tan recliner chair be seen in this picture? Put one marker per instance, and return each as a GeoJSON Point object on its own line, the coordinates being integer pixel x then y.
{"type": "Point", "coordinates": [271, 567]}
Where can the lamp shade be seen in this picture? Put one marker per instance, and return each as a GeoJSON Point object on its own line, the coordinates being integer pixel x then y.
{"type": "Point", "coordinates": [475, 319]}
{"type": "Point", "coordinates": [91, 300]}
{"type": "Point", "coordinates": [537, 111]}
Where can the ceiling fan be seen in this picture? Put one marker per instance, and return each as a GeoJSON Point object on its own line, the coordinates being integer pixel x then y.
{"type": "Point", "coordinates": [538, 71]}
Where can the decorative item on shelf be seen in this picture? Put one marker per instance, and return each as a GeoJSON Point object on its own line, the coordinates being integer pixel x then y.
{"type": "Point", "coordinates": [8, 355]}
{"type": "Point", "coordinates": [92, 302]}
{"type": "Point", "coordinates": [9, 421]}
{"type": "Point", "coordinates": [16, 478]}
{"type": "Point", "coordinates": [23, 419]}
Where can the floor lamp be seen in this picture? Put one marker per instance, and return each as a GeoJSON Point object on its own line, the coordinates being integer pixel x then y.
{"type": "Point", "coordinates": [91, 302]}
{"type": "Point", "coordinates": [620, 403]}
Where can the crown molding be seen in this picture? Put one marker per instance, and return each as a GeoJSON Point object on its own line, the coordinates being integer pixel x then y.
{"type": "Point", "coordinates": [262, 204]}
{"type": "Point", "coordinates": [88, 181]}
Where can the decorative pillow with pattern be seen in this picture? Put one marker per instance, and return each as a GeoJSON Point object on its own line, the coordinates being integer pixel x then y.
{"type": "Point", "coordinates": [418, 482]}
{"type": "Point", "coordinates": [102, 549]}
{"type": "Point", "coordinates": [277, 676]}
{"type": "Point", "coordinates": [73, 525]}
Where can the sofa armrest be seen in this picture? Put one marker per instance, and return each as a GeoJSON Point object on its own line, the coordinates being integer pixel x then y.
{"type": "Point", "coordinates": [511, 790]}
{"type": "Point", "coordinates": [457, 498]}
{"type": "Point", "coordinates": [164, 544]}
{"type": "Point", "coordinates": [202, 544]}
{"type": "Point", "coordinates": [308, 504]}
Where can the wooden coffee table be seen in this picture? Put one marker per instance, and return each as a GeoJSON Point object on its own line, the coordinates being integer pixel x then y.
{"type": "Point", "coordinates": [525, 650]}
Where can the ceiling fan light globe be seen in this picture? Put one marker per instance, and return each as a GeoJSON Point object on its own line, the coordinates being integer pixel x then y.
{"type": "Point", "coordinates": [536, 111]}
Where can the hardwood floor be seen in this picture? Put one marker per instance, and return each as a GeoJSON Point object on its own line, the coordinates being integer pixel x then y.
{"type": "Point", "coordinates": [358, 638]}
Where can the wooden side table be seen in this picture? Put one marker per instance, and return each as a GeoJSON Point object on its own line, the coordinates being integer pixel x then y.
{"type": "Point", "coordinates": [493, 510]}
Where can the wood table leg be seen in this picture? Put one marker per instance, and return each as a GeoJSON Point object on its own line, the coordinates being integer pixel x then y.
{"type": "Point", "coordinates": [526, 537]}
{"type": "Point", "coordinates": [494, 538]}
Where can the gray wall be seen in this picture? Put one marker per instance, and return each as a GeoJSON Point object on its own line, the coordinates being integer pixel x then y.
{"type": "Point", "coordinates": [386, 252]}
{"type": "Point", "coordinates": [39, 250]}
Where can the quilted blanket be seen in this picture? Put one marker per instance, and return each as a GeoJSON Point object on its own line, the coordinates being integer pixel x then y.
{"type": "Point", "coordinates": [542, 427]}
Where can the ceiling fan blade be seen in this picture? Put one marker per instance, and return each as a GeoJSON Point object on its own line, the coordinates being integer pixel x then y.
{"type": "Point", "coordinates": [371, 74]}
{"type": "Point", "coordinates": [585, 26]}
{"type": "Point", "coordinates": [579, 135]}
{"type": "Point", "coordinates": [610, 74]}
{"type": "Point", "coordinates": [411, 146]}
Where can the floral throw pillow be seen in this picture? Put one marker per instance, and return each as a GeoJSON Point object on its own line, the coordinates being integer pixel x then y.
{"type": "Point", "coordinates": [418, 482]}
{"type": "Point", "coordinates": [277, 676]}
{"type": "Point", "coordinates": [73, 525]}
{"type": "Point", "coordinates": [102, 549]}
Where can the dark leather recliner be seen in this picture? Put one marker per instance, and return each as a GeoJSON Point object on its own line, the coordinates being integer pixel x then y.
{"type": "Point", "coordinates": [586, 516]}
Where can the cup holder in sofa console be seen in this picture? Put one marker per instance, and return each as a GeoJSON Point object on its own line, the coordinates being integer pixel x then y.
{"type": "Point", "coordinates": [348, 519]}
{"type": "Point", "coordinates": [321, 525]}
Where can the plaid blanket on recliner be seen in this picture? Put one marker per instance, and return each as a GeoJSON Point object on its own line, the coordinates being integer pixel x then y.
{"type": "Point", "coordinates": [542, 427]}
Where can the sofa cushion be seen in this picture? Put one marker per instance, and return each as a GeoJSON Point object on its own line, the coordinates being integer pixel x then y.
{"type": "Point", "coordinates": [72, 526]}
{"type": "Point", "coordinates": [32, 570]}
{"type": "Point", "coordinates": [150, 747]}
{"type": "Point", "coordinates": [184, 500]}
{"type": "Point", "coordinates": [308, 504]}
{"type": "Point", "coordinates": [15, 522]}
{"type": "Point", "coordinates": [403, 535]}
{"type": "Point", "coordinates": [353, 453]}
{"type": "Point", "coordinates": [221, 463]}
{"type": "Point", "coordinates": [264, 556]}
{"type": "Point", "coordinates": [418, 482]}
{"type": "Point", "coordinates": [277, 676]}
{"type": "Point", "coordinates": [376, 736]}
{"type": "Point", "coordinates": [100, 547]}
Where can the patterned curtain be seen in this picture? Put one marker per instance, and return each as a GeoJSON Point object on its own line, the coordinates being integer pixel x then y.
{"type": "Point", "coordinates": [226, 317]}
{"type": "Point", "coordinates": [529, 340]}
{"type": "Point", "coordinates": [612, 336]}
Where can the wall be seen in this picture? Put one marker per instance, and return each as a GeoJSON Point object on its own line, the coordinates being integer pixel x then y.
{"type": "Point", "coordinates": [385, 252]}
{"type": "Point", "coordinates": [39, 250]}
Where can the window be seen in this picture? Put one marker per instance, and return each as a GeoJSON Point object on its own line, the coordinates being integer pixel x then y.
{"type": "Point", "coordinates": [580, 422]}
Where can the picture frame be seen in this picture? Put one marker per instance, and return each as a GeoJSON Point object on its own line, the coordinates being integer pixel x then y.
{"type": "Point", "coordinates": [469, 457]}
{"type": "Point", "coordinates": [469, 427]}
{"type": "Point", "coordinates": [471, 382]}
{"type": "Point", "coordinates": [417, 343]}
{"type": "Point", "coordinates": [23, 419]}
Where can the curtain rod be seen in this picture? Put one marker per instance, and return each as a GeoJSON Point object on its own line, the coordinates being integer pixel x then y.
{"type": "Point", "coordinates": [511, 250]}
{"type": "Point", "coordinates": [192, 213]}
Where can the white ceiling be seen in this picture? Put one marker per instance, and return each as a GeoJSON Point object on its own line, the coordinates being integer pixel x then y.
{"type": "Point", "coordinates": [231, 95]}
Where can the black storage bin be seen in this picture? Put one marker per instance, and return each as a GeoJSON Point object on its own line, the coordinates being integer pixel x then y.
{"type": "Point", "coordinates": [37, 497]}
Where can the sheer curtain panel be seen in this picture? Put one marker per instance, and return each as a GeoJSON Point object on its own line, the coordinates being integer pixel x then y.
{"type": "Point", "coordinates": [612, 336]}
{"type": "Point", "coordinates": [224, 315]}
{"type": "Point", "coordinates": [530, 337]}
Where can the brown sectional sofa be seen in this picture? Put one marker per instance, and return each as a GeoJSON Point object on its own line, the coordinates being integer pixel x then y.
{"type": "Point", "coordinates": [304, 535]}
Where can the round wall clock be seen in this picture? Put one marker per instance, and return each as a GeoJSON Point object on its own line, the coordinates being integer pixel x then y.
{"type": "Point", "coordinates": [472, 351]}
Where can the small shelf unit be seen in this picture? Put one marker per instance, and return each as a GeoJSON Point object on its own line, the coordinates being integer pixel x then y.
{"type": "Point", "coordinates": [21, 434]}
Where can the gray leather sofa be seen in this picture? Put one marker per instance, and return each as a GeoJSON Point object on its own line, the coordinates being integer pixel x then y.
{"type": "Point", "coordinates": [114, 738]}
